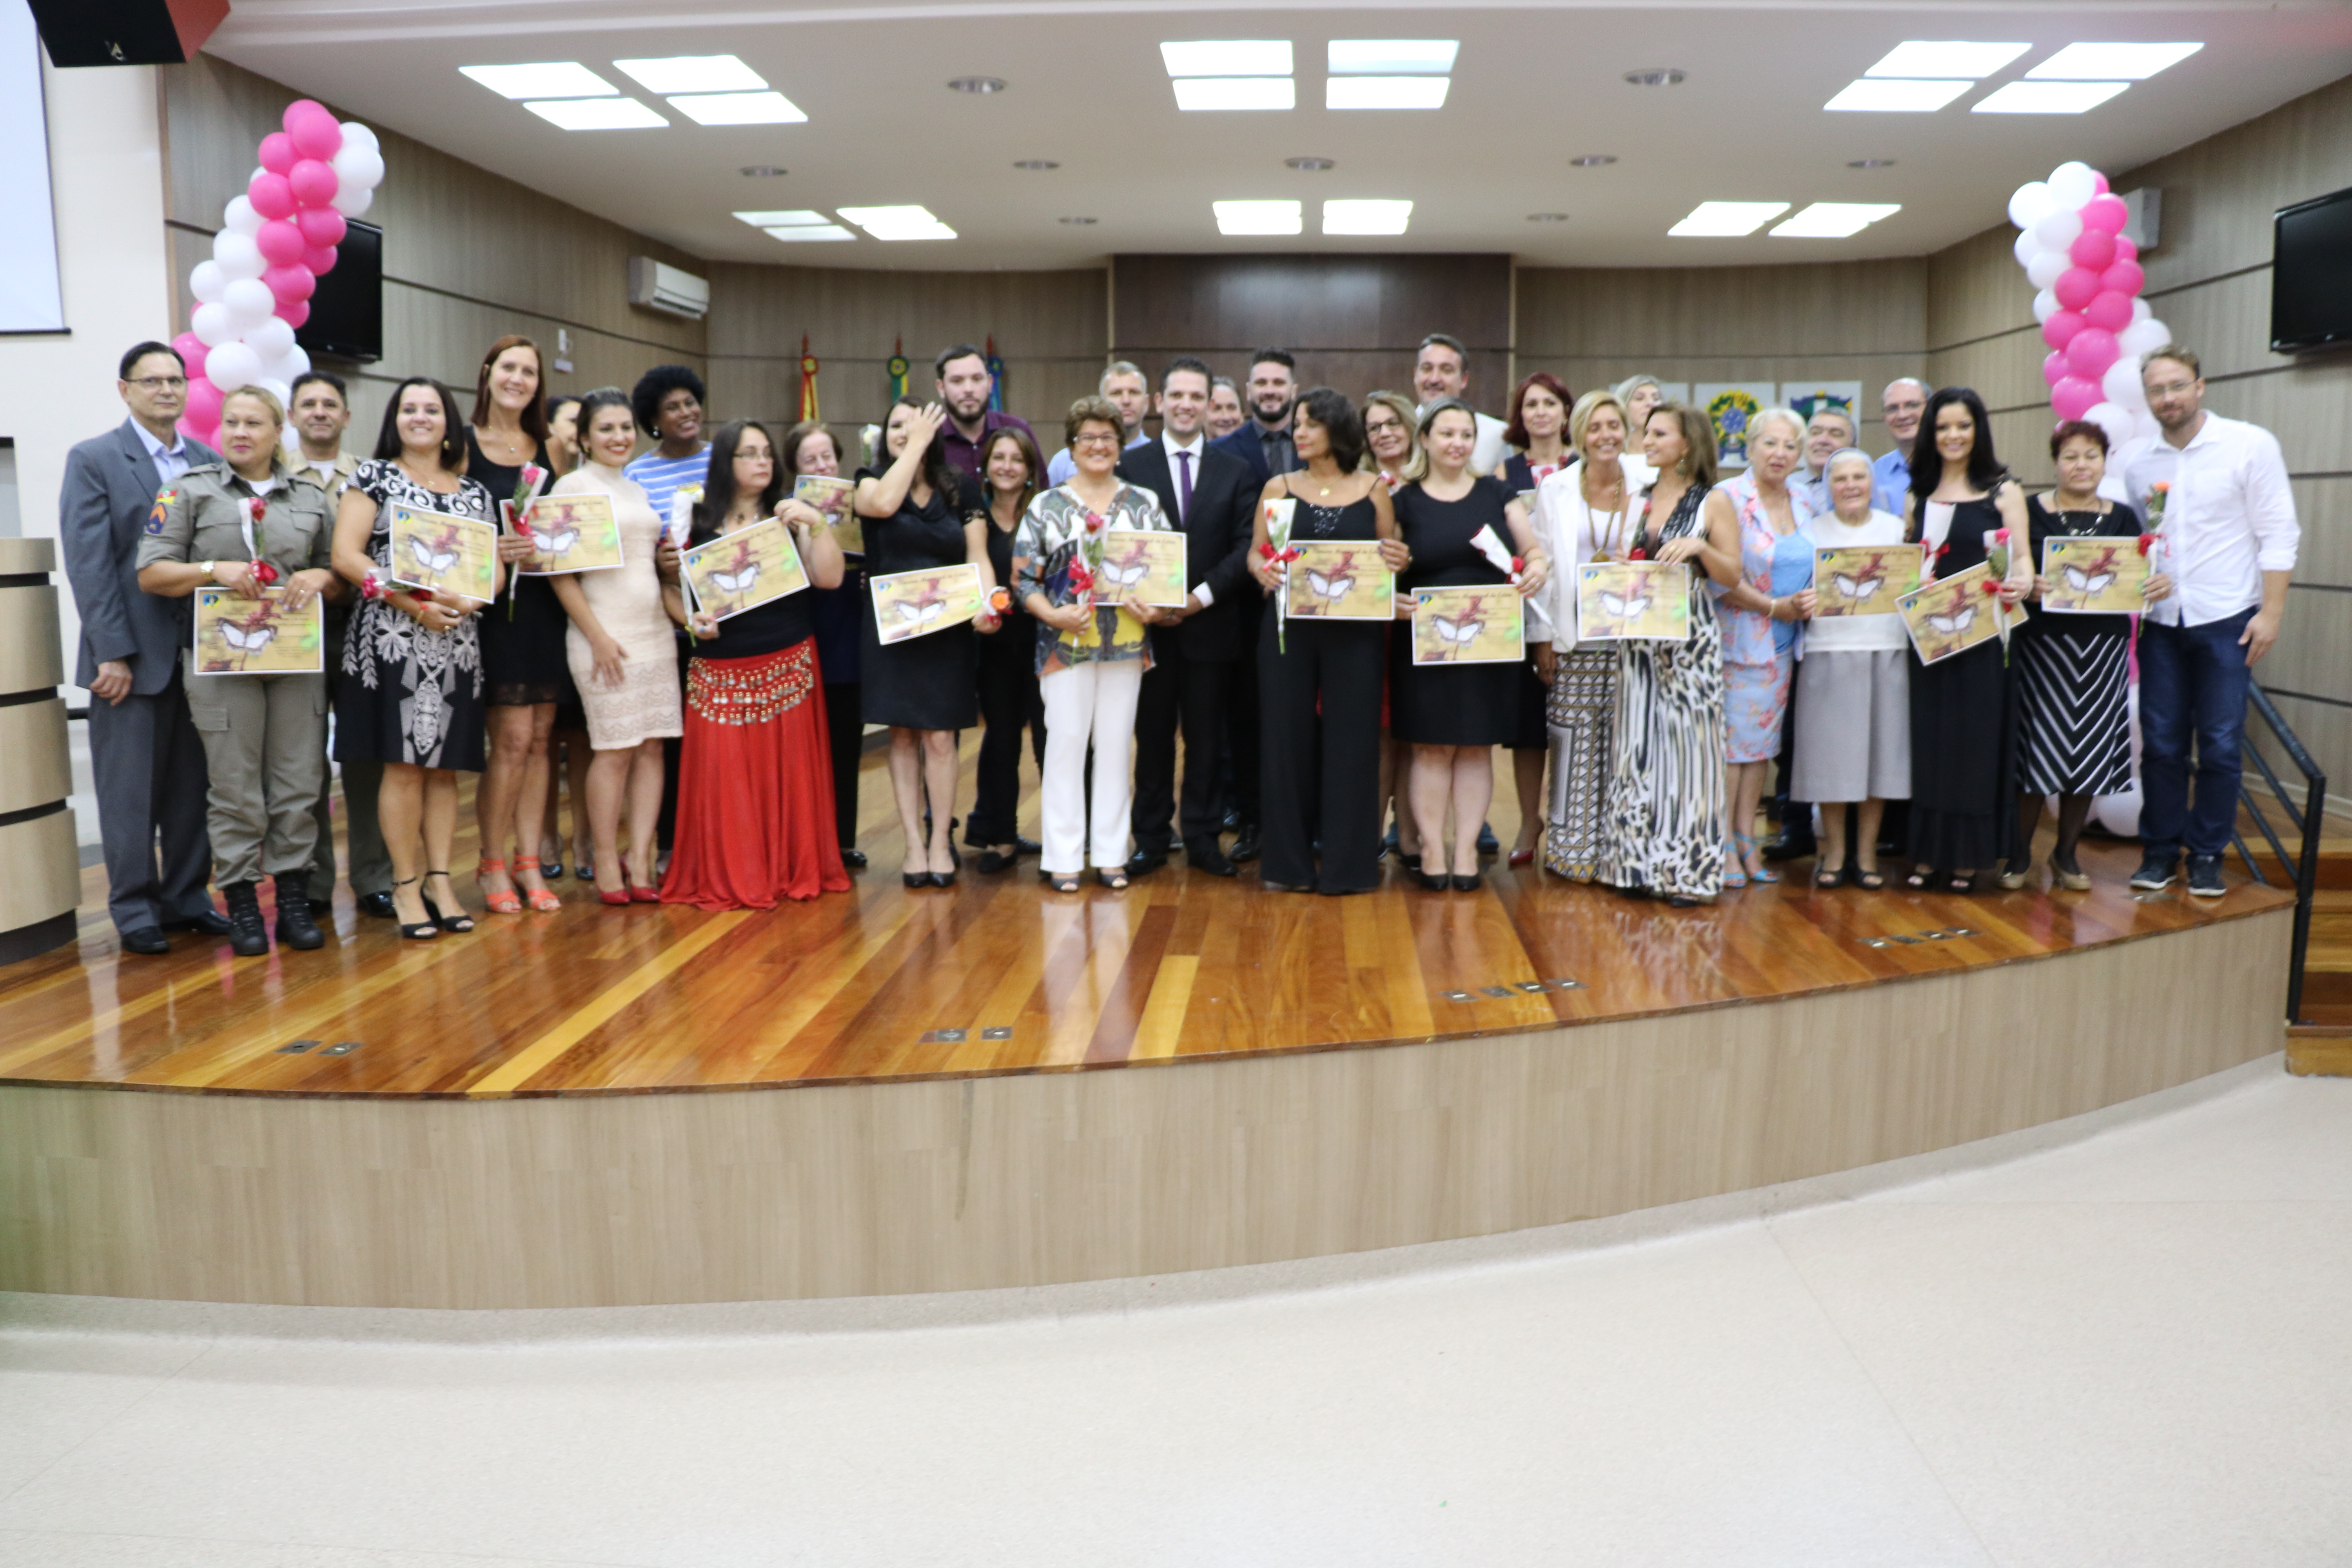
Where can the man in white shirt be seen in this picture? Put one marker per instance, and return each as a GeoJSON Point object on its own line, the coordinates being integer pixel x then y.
{"type": "Point", "coordinates": [1442, 371]}
{"type": "Point", "coordinates": [2215, 493]}
{"type": "Point", "coordinates": [1130, 394]}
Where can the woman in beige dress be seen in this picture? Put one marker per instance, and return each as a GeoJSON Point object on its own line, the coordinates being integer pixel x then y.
{"type": "Point", "coordinates": [623, 654]}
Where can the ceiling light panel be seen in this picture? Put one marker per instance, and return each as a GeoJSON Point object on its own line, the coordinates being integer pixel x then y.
{"type": "Point", "coordinates": [1834, 220]}
{"type": "Point", "coordinates": [2048, 97]}
{"type": "Point", "coordinates": [1209, 93]}
{"type": "Point", "coordinates": [693, 73]}
{"type": "Point", "coordinates": [739, 108]}
{"type": "Point", "coordinates": [1366, 217]}
{"type": "Point", "coordinates": [1228, 57]}
{"type": "Point", "coordinates": [550, 79]}
{"type": "Point", "coordinates": [1919, 57]}
{"type": "Point", "coordinates": [793, 218]}
{"type": "Point", "coordinates": [1886, 95]}
{"type": "Point", "coordinates": [796, 233]}
{"type": "Point", "coordinates": [898, 223]}
{"type": "Point", "coordinates": [2111, 62]}
{"type": "Point", "coordinates": [1259, 217]}
{"type": "Point", "coordinates": [1391, 56]}
{"type": "Point", "coordinates": [1725, 220]}
{"type": "Point", "coordinates": [1385, 91]}
{"type": "Point", "coordinates": [597, 114]}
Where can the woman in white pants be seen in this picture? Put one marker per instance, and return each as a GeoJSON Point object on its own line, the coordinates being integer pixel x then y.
{"type": "Point", "coordinates": [1091, 647]}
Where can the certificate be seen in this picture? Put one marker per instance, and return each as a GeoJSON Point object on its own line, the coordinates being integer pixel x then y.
{"type": "Point", "coordinates": [574, 533]}
{"type": "Point", "coordinates": [1863, 579]}
{"type": "Point", "coordinates": [453, 555]}
{"type": "Point", "coordinates": [909, 604]}
{"type": "Point", "coordinates": [830, 498]}
{"type": "Point", "coordinates": [1148, 564]}
{"type": "Point", "coordinates": [1952, 614]}
{"type": "Point", "coordinates": [237, 636]}
{"type": "Point", "coordinates": [1482, 625]}
{"type": "Point", "coordinates": [1340, 580]}
{"type": "Point", "coordinates": [1619, 601]}
{"type": "Point", "coordinates": [743, 570]}
{"type": "Point", "coordinates": [2094, 577]}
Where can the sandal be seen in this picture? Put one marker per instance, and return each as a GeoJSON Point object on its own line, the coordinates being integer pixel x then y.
{"type": "Point", "coordinates": [424, 929]}
{"type": "Point", "coordinates": [1870, 881]}
{"type": "Point", "coordinates": [1825, 880]}
{"type": "Point", "coordinates": [1060, 884]}
{"type": "Point", "coordinates": [1748, 847]}
{"type": "Point", "coordinates": [541, 899]}
{"type": "Point", "coordinates": [1735, 874]}
{"type": "Point", "coordinates": [1111, 877]}
{"type": "Point", "coordinates": [1920, 877]}
{"type": "Point", "coordinates": [460, 921]}
{"type": "Point", "coordinates": [1964, 882]}
{"type": "Point", "coordinates": [506, 903]}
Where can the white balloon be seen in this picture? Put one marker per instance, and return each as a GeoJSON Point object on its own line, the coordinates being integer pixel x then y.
{"type": "Point", "coordinates": [2026, 249]}
{"type": "Point", "coordinates": [2139, 338]}
{"type": "Point", "coordinates": [231, 365]}
{"type": "Point", "coordinates": [249, 303]}
{"type": "Point", "coordinates": [236, 256]}
{"type": "Point", "coordinates": [2121, 384]}
{"type": "Point", "coordinates": [361, 166]}
{"type": "Point", "coordinates": [270, 338]}
{"type": "Point", "coordinates": [2059, 229]}
{"type": "Point", "coordinates": [205, 282]}
{"type": "Point", "coordinates": [2140, 313]}
{"type": "Point", "coordinates": [2072, 184]}
{"type": "Point", "coordinates": [352, 200]}
{"type": "Point", "coordinates": [213, 324]}
{"type": "Point", "coordinates": [276, 388]}
{"type": "Point", "coordinates": [2118, 423]}
{"type": "Point", "coordinates": [293, 363]}
{"type": "Point", "coordinates": [2047, 268]}
{"type": "Point", "coordinates": [355, 132]}
{"type": "Point", "coordinates": [2045, 305]}
{"type": "Point", "coordinates": [239, 216]}
{"type": "Point", "coordinates": [2030, 203]}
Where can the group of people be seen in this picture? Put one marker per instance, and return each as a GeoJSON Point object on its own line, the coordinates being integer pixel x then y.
{"type": "Point", "coordinates": [718, 760]}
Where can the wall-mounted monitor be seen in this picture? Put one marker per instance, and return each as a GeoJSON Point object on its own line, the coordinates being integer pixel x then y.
{"type": "Point", "coordinates": [346, 318]}
{"type": "Point", "coordinates": [2311, 275]}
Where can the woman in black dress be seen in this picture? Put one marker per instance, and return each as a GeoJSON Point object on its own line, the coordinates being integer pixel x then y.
{"type": "Point", "coordinates": [918, 512]}
{"type": "Point", "coordinates": [1963, 725]}
{"type": "Point", "coordinates": [1012, 472]}
{"type": "Point", "coordinates": [810, 449]}
{"type": "Point", "coordinates": [1320, 681]}
{"type": "Point", "coordinates": [1454, 715]}
{"type": "Point", "coordinates": [1537, 437]}
{"type": "Point", "coordinates": [2072, 671]}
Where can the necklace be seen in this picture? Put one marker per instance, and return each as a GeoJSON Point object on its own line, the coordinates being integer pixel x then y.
{"type": "Point", "coordinates": [1607, 548]}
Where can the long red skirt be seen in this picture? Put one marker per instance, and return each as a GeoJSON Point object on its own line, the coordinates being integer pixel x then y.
{"type": "Point", "coordinates": [754, 786]}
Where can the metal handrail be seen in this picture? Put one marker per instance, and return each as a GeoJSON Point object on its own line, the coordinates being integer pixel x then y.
{"type": "Point", "coordinates": [2307, 822]}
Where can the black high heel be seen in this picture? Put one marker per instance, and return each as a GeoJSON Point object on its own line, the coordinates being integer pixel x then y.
{"type": "Point", "coordinates": [458, 922]}
{"type": "Point", "coordinates": [1464, 884]}
{"type": "Point", "coordinates": [423, 930]}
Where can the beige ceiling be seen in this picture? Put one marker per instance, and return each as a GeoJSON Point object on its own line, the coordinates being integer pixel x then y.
{"type": "Point", "coordinates": [1535, 84]}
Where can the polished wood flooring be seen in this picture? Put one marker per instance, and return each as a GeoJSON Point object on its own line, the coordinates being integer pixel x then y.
{"type": "Point", "coordinates": [995, 976]}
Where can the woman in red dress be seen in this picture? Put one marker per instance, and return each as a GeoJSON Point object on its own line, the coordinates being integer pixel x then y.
{"type": "Point", "coordinates": [755, 821]}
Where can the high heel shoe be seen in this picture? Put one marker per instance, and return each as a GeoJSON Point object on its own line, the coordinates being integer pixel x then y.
{"type": "Point", "coordinates": [1463, 884]}
{"type": "Point", "coordinates": [1735, 875]}
{"type": "Point", "coordinates": [639, 892]}
{"type": "Point", "coordinates": [506, 903]}
{"type": "Point", "coordinates": [420, 931]}
{"type": "Point", "coordinates": [458, 922]}
{"type": "Point", "coordinates": [1433, 881]}
{"type": "Point", "coordinates": [541, 899]}
{"type": "Point", "coordinates": [1748, 847]}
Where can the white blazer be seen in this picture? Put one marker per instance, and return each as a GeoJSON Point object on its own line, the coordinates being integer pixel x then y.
{"type": "Point", "coordinates": [1572, 535]}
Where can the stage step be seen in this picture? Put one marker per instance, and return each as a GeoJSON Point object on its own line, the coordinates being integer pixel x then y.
{"type": "Point", "coordinates": [2319, 1051]}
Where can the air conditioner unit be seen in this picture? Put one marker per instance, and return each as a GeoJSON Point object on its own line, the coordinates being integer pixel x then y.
{"type": "Point", "coordinates": [658, 286]}
{"type": "Point", "coordinates": [2145, 227]}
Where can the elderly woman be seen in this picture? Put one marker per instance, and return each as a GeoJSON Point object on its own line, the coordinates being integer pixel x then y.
{"type": "Point", "coordinates": [1091, 647]}
{"type": "Point", "coordinates": [1640, 394]}
{"type": "Point", "coordinates": [1853, 716]}
{"type": "Point", "coordinates": [1759, 615]}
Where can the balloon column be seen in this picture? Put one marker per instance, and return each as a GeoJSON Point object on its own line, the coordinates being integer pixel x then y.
{"type": "Point", "coordinates": [274, 242]}
{"type": "Point", "coordinates": [2072, 249]}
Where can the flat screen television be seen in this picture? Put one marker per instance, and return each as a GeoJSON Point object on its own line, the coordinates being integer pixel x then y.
{"type": "Point", "coordinates": [346, 318]}
{"type": "Point", "coordinates": [2311, 275]}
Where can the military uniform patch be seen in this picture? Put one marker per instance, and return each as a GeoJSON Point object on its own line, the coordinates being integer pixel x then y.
{"type": "Point", "coordinates": [163, 500]}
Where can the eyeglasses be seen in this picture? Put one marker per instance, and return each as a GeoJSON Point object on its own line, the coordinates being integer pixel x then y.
{"type": "Point", "coordinates": [162, 383]}
{"type": "Point", "coordinates": [2172, 389]}
{"type": "Point", "coordinates": [1097, 440]}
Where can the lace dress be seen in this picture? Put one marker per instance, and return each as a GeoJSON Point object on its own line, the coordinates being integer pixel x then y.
{"type": "Point", "coordinates": [627, 601]}
{"type": "Point", "coordinates": [409, 695]}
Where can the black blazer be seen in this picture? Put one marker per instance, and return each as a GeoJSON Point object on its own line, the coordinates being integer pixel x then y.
{"type": "Point", "coordinates": [1243, 444]}
{"type": "Point", "coordinates": [1216, 541]}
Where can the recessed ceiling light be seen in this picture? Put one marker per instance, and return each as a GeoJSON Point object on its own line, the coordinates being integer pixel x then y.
{"type": "Point", "coordinates": [1366, 217]}
{"type": "Point", "coordinates": [1220, 93]}
{"type": "Point", "coordinates": [1310, 165]}
{"type": "Point", "coordinates": [1389, 56]}
{"type": "Point", "coordinates": [1258, 217]}
{"type": "Point", "coordinates": [982, 84]}
{"type": "Point", "coordinates": [739, 108]}
{"type": "Point", "coordinates": [791, 217]}
{"type": "Point", "coordinates": [1834, 220]}
{"type": "Point", "coordinates": [1385, 91]}
{"type": "Point", "coordinates": [551, 78]}
{"type": "Point", "coordinates": [1228, 57]}
{"type": "Point", "coordinates": [1916, 57]}
{"type": "Point", "coordinates": [1592, 160]}
{"type": "Point", "coordinates": [2112, 62]}
{"type": "Point", "coordinates": [2048, 97]}
{"type": "Point", "coordinates": [1886, 95]}
{"type": "Point", "coordinates": [1036, 165]}
{"type": "Point", "coordinates": [908, 222]}
{"type": "Point", "coordinates": [796, 234]}
{"type": "Point", "coordinates": [1546, 217]}
{"type": "Point", "coordinates": [1077, 222]}
{"type": "Point", "coordinates": [1724, 220]}
{"type": "Point", "coordinates": [1658, 75]}
{"type": "Point", "coordinates": [694, 73]}
{"type": "Point", "coordinates": [597, 114]}
{"type": "Point", "coordinates": [761, 172]}
{"type": "Point", "coordinates": [1870, 163]}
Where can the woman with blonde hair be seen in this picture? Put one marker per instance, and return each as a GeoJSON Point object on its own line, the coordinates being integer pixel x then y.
{"type": "Point", "coordinates": [1392, 450]}
{"type": "Point", "coordinates": [1640, 392]}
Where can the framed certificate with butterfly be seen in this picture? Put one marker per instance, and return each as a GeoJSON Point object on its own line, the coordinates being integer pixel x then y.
{"type": "Point", "coordinates": [1637, 601]}
{"type": "Point", "coordinates": [1339, 580]}
{"type": "Point", "coordinates": [2093, 577]}
{"type": "Point", "coordinates": [237, 636]}
{"type": "Point", "coordinates": [1952, 614]}
{"type": "Point", "coordinates": [829, 497]}
{"type": "Point", "coordinates": [909, 604]}
{"type": "Point", "coordinates": [452, 556]}
{"type": "Point", "coordinates": [574, 533]}
{"type": "Point", "coordinates": [1482, 625]}
{"type": "Point", "coordinates": [1146, 562]}
{"type": "Point", "coordinates": [1863, 579]}
{"type": "Point", "coordinates": [743, 570]}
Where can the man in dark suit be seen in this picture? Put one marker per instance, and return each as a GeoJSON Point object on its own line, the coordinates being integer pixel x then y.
{"type": "Point", "coordinates": [146, 762]}
{"type": "Point", "coordinates": [1212, 498]}
{"type": "Point", "coordinates": [1263, 443]}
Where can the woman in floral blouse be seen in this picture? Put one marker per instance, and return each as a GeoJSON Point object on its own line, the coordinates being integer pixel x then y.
{"type": "Point", "coordinates": [1091, 647]}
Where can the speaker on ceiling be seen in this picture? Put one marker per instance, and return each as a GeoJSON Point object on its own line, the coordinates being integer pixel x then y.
{"type": "Point", "coordinates": [126, 32]}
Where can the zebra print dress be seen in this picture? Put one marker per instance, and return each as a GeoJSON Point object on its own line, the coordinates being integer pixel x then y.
{"type": "Point", "coordinates": [1662, 811]}
{"type": "Point", "coordinates": [2072, 677]}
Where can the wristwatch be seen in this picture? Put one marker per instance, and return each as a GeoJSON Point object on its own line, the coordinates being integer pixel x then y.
{"type": "Point", "coordinates": [209, 569]}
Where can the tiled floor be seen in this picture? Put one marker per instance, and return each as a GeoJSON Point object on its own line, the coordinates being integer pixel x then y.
{"type": "Point", "coordinates": [2127, 1350]}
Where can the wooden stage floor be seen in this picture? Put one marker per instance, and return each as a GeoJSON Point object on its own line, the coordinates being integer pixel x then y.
{"type": "Point", "coordinates": [995, 976]}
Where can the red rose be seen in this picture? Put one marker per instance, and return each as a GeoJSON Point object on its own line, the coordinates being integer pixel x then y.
{"type": "Point", "coordinates": [2000, 536]}
{"type": "Point", "coordinates": [1637, 553]}
{"type": "Point", "coordinates": [1989, 586]}
{"type": "Point", "coordinates": [1094, 523]}
{"type": "Point", "coordinates": [1518, 564]}
{"type": "Point", "coordinates": [257, 506]}
{"type": "Point", "coordinates": [370, 587]}
{"type": "Point", "coordinates": [2147, 541]}
{"type": "Point", "coordinates": [264, 572]}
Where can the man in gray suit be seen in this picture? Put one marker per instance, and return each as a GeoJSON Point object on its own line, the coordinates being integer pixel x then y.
{"type": "Point", "coordinates": [147, 762]}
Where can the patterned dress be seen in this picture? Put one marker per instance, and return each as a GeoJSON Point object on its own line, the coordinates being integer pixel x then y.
{"type": "Point", "coordinates": [1663, 809]}
{"type": "Point", "coordinates": [409, 695]}
{"type": "Point", "coordinates": [1756, 668]}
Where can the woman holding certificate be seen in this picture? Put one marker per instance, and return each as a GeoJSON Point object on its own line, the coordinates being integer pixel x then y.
{"type": "Point", "coordinates": [919, 513]}
{"type": "Point", "coordinates": [1455, 714]}
{"type": "Point", "coordinates": [1541, 446]}
{"type": "Point", "coordinates": [1321, 674]}
{"type": "Point", "coordinates": [1962, 778]}
{"type": "Point", "coordinates": [754, 783]}
{"type": "Point", "coordinates": [1012, 470]}
{"type": "Point", "coordinates": [623, 654]}
{"type": "Point", "coordinates": [411, 696]}
{"type": "Point", "coordinates": [810, 449]}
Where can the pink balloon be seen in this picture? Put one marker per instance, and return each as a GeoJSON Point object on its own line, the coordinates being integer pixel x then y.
{"type": "Point", "coordinates": [2123, 278]}
{"type": "Point", "coordinates": [294, 312]}
{"type": "Point", "coordinates": [2094, 250]}
{"type": "Point", "coordinates": [2060, 329]}
{"type": "Point", "coordinates": [2054, 368]}
{"type": "Point", "coordinates": [320, 262]}
{"type": "Point", "coordinates": [2074, 398]}
{"type": "Point", "coordinates": [2107, 213]}
{"type": "Point", "coordinates": [204, 405]}
{"type": "Point", "coordinates": [298, 110]}
{"type": "Point", "coordinates": [313, 183]}
{"type": "Point", "coordinates": [2076, 286]}
{"type": "Point", "coordinates": [318, 135]}
{"type": "Point", "coordinates": [296, 283]}
{"type": "Point", "coordinates": [2100, 181]}
{"type": "Point", "coordinates": [271, 196]}
{"type": "Point", "coordinates": [191, 351]}
{"type": "Point", "coordinates": [280, 243]}
{"type": "Point", "coordinates": [277, 153]}
{"type": "Point", "coordinates": [2093, 349]}
{"type": "Point", "coordinates": [322, 228]}
{"type": "Point", "coordinates": [2110, 313]}
{"type": "Point", "coordinates": [2126, 251]}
